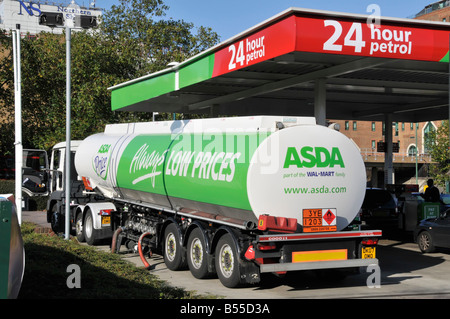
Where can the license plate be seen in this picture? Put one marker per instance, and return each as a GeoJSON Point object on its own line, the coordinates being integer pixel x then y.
{"type": "Point", "coordinates": [368, 252]}
{"type": "Point", "coordinates": [106, 220]}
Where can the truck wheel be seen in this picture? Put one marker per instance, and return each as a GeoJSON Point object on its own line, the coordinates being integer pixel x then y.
{"type": "Point", "coordinates": [55, 220]}
{"type": "Point", "coordinates": [79, 228]}
{"type": "Point", "coordinates": [90, 233]}
{"type": "Point", "coordinates": [173, 254]}
{"type": "Point", "coordinates": [196, 255]}
{"type": "Point", "coordinates": [425, 242]}
{"type": "Point", "coordinates": [227, 263]}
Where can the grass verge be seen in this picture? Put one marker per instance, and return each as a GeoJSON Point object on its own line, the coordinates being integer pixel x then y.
{"type": "Point", "coordinates": [103, 275]}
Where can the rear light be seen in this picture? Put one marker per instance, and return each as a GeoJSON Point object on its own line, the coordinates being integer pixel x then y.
{"type": "Point", "coordinates": [250, 254]}
{"type": "Point", "coordinates": [267, 246]}
{"type": "Point", "coordinates": [105, 212]}
{"type": "Point", "coordinates": [370, 241]}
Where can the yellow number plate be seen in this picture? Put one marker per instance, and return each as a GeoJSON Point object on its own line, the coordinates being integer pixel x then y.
{"type": "Point", "coordinates": [368, 252]}
{"type": "Point", "coordinates": [106, 220]}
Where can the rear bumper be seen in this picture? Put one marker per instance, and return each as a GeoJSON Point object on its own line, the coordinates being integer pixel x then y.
{"type": "Point", "coordinates": [349, 263]}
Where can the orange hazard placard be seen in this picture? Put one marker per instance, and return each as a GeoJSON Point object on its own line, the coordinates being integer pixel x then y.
{"type": "Point", "coordinates": [319, 220]}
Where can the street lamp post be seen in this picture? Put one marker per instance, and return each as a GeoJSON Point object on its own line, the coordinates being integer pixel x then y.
{"type": "Point", "coordinates": [72, 19]}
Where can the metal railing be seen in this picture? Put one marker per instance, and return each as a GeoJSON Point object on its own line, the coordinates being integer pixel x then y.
{"type": "Point", "coordinates": [371, 155]}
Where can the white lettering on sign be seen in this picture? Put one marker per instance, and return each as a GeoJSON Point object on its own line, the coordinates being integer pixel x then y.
{"type": "Point", "coordinates": [353, 38]}
{"type": "Point", "coordinates": [142, 160]}
{"type": "Point", "coordinates": [390, 41]}
{"type": "Point", "coordinates": [217, 166]}
{"type": "Point", "coordinates": [381, 40]}
{"type": "Point", "coordinates": [246, 51]}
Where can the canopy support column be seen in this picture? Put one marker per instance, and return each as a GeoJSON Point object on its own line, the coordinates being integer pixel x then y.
{"type": "Point", "coordinates": [388, 155]}
{"type": "Point", "coordinates": [320, 101]}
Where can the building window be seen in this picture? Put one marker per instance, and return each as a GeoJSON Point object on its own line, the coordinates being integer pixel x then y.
{"type": "Point", "coordinates": [403, 126]}
{"type": "Point", "coordinates": [412, 150]}
{"type": "Point", "coordinates": [428, 136]}
{"type": "Point", "coordinates": [347, 126]}
{"type": "Point", "coordinates": [373, 127]}
{"type": "Point", "coordinates": [354, 126]}
{"type": "Point", "coordinates": [374, 144]}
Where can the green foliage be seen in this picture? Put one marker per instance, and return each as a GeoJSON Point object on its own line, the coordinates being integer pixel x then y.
{"type": "Point", "coordinates": [438, 144]}
{"type": "Point", "coordinates": [6, 94]}
{"type": "Point", "coordinates": [7, 186]}
{"type": "Point", "coordinates": [132, 40]}
{"type": "Point", "coordinates": [149, 39]}
{"type": "Point", "coordinates": [103, 275]}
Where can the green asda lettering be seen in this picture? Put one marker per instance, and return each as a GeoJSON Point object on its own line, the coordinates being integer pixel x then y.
{"type": "Point", "coordinates": [310, 157]}
{"type": "Point", "coordinates": [217, 166]}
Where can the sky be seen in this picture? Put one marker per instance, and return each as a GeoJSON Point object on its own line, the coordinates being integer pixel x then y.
{"type": "Point", "coordinates": [231, 17]}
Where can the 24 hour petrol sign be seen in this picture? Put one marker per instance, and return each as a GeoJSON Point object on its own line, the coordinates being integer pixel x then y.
{"type": "Point", "coordinates": [371, 40]}
{"type": "Point", "coordinates": [333, 36]}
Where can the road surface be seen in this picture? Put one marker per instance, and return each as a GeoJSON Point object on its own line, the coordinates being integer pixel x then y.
{"type": "Point", "coordinates": [404, 273]}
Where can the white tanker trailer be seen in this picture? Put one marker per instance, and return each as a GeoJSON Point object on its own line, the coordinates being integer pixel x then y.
{"type": "Point", "coordinates": [234, 196]}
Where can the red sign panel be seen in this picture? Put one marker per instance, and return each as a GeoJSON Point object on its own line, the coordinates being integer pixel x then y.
{"type": "Point", "coordinates": [273, 41]}
{"type": "Point", "coordinates": [335, 36]}
{"type": "Point", "coordinates": [370, 40]}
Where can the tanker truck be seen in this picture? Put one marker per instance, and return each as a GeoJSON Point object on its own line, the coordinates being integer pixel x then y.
{"type": "Point", "coordinates": [234, 197]}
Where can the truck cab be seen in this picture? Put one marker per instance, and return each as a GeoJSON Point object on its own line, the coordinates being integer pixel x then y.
{"type": "Point", "coordinates": [58, 166]}
{"type": "Point", "coordinates": [56, 181]}
{"type": "Point", "coordinates": [42, 177]}
{"type": "Point", "coordinates": [35, 172]}
{"type": "Point", "coordinates": [89, 214]}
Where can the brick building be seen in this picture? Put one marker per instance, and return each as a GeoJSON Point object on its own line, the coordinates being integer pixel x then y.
{"type": "Point", "coordinates": [437, 11]}
{"type": "Point", "coordinates": [408, 136]}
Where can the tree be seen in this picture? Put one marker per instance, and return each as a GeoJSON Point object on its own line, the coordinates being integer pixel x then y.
{"type": "Point", "coordinates": [149, 39]}
{"type": "Point", "coordinates": [438, 145]}
{"type": "Point", "coordinates": [6, 94]}
{"type": "Point", "coordinates": [132, 40]}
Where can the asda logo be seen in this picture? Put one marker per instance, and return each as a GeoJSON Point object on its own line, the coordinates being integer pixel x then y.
{"type": "Point", "coordinates": [310, 157]}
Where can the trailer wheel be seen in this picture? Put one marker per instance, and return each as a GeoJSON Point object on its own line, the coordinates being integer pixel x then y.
{"type": "Point", "coordinates": [196, 255]}
{"type": "Point", "coordinates": [79, 228]}
{"type": "Point", "coordinates": [90, 233]}
{"type": "Point", "coordinates": [173, 254]}
{"type": "Point", "coordinates": [227, 263]}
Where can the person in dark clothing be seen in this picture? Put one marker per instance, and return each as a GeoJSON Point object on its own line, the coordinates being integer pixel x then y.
{"type": "Point", "coordinates": [432, 193]}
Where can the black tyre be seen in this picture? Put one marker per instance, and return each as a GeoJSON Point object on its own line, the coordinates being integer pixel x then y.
{"type": "Point", "coordinates": [90, 233]}
{"type": "Point", "coordinates": [227, 262]}
{"type": "Point", "coordinates": [425, 242]}
{"type": "Point", "coordinates": [56, 220]}
{"type": "Point", "coordinates": [173, 252]}
{"type": "Point", "coordinates": [79, 228]}
{"type": "Point", "coordinates": [196, 255]}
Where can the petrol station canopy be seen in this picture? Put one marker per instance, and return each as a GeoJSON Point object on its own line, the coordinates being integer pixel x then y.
{"type": "Point", "coordinates": [303, 61]}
